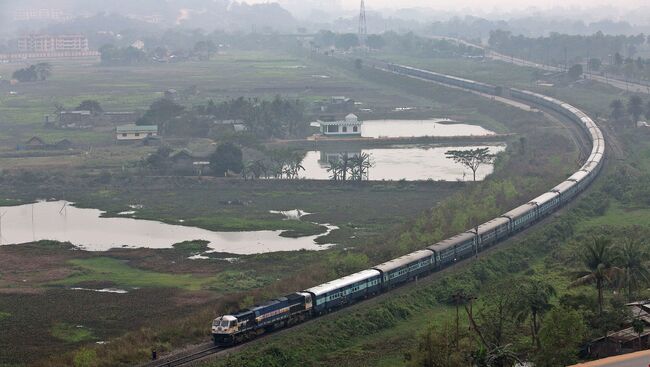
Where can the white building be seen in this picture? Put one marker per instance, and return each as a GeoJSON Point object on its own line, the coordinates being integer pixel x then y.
{"type": "Point", "coordinates": [351, 126]}
{"type": "Point", "coordinates": [135, 132]}
{"type": "Point", "coordinates": [52, 43]}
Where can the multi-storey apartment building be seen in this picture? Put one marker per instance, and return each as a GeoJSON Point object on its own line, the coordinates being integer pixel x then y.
{"type": "Point", "coordinates": [51, 43]}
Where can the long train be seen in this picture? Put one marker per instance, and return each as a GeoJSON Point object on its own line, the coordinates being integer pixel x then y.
{"type": "Point", "coordinates": [297, 307]}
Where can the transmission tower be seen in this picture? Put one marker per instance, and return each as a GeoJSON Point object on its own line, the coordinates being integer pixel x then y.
{"type": "Point", "coordinates": [363, 28]}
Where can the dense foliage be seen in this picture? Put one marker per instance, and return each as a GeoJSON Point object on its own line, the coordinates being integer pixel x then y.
{"type": "Point", "coordinates": [565, 49]}
{"type": "Point", "coordinates": [277, 118]}
{"type": "Point", "coordinates": [40, 71]}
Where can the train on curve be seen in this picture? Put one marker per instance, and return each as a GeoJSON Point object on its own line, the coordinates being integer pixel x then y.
{"type": "Point", "coordinates": [297, 307]}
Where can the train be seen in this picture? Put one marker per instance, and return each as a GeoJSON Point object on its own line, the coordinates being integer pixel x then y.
{"type": "Point", "coordinates": [297, 307]}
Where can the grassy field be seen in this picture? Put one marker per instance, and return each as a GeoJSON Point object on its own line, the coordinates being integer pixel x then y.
{"type": "Point", "coordinates": [385, 332]}
{"type": "Point", "coordinates": [240, 73]}
{"type": "Point", "coordinates": [164, 282]}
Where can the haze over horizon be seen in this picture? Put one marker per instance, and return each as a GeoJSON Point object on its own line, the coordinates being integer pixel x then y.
{"type": "Point", "coordinates": [459, 5]}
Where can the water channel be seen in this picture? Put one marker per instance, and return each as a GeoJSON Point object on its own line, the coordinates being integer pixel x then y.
{"type": "Point", "coordinates": [88, 230]}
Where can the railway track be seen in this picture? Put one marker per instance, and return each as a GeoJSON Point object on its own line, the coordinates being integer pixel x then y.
{"type": "Point", "coordinates": [206, 350]}
{"type": "Point", "coordinates": [188, 359]}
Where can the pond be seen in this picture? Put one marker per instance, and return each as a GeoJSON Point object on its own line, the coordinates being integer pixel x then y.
{"type": "Point", "coordinates": [418, 128]}
{"type": "Point", "coordinates": [412, 163]}
{"type": "Point", "coordinates": [88, 230]}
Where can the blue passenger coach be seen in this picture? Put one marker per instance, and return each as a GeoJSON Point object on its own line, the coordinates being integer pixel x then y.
{"type": "Point", "coordinates": [345, 290]}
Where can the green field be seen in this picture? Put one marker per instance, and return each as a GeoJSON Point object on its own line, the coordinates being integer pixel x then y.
{"type": "Point", "coordinates": [377, 220]}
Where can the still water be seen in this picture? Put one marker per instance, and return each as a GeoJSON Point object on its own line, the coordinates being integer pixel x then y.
{"type": "Point", "coordinates": [417, 128]}
{"type": "Point", "coordinates": [85, 228]}
{"type": "Point", "coordinates": [397, 163]}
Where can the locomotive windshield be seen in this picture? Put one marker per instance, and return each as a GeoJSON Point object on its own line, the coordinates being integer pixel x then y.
{"type": "Point", "coordinates": [225, 323]}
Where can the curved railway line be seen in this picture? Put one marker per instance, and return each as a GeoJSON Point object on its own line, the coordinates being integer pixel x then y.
{"type": "Point", "coordinates": [300, 307]}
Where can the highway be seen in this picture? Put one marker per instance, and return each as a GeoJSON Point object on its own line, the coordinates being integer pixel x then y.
{"type": "Point", "coordinates": [638, 359]}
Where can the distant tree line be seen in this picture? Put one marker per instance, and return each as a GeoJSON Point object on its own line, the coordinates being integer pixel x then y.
{"type": "Point", "coordinates": [408, 43]}
{"type": "Point", "coordinates": [33, 73]}
{"type": "Point", "coordinates": [265, 119]}
{"type": "Point", "coordinates": [561, 49]}
{"type": "Point", "coordinates": [112, 55]}
{"type": "Point", "coordinates": [628, 114]}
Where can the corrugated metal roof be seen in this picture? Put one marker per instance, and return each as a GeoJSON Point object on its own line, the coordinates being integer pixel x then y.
{"type": "Point", "coordinates": [342, 282]}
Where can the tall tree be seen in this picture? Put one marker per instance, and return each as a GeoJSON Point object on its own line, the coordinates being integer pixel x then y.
{"type": "Point", "coordinates": [90, 105]}
{"type": "Point", "coordinates": [534, 300]}
{"type": "Point", "coordinates": [598, 258]}
{"type": "Point", "coordinates": [227, 157]}
{"type": "Point", "coordinates": [575, 71]}
{"type": "Point", "coordinates": [560, 337]}
{"type": "Point", "coordinates": [634, 270]}
{"type": "Point", "coordinates": [438, 347]}
{"type": "Point", "coordinates": [618, 110]}
{"type": "Point", "coordinates": [43, 70]}
{"type": "Point", "coordinates": [472, 159]}
{"type": "Point", "coordinates": [635, 108]}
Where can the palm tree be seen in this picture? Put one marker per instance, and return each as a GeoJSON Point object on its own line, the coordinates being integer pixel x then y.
{"type": "Point", "coordinates": [534, 302]}
{"type": "Point", "coordinates": [635, 108]}
{"type": "Point", "coordinates": [634, 271]}
{"type": "Point", "coordinates": [618, 110]}
{"type": "Point", "coordinates": [598, 269]}
{"type": "Point", "coordinates": [335, 169]}
{"type": "Point", "coordinates": [639, 327]}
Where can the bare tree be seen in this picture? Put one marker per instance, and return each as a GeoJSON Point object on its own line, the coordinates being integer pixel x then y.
{"type": "Point", "coordinates": [472, 158]}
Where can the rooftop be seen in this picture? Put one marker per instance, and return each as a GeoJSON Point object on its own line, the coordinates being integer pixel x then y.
{"type": "Point", "coordinates": [137, 128]}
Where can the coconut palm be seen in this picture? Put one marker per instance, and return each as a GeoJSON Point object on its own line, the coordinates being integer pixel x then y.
{"type": "Point", "coordinates": [634, 272]}
{"type": "Point", "coordinates": [598, 257]}
{"type": "Point", "coordinates": [360, 165]}
{"type": "Point", "coordinates": [334, 170]}
{"type": "Point", "coordinates": [534, 301]}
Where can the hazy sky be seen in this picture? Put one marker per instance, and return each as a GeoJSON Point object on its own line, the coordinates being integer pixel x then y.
{"type": "Point", "coordinates": [485, 5]}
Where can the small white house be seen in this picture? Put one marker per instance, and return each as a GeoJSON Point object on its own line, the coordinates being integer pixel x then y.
{"type": "Point", "coordinates": [351, 126]}
{"type": "Point", "coordinates": [135, 132]}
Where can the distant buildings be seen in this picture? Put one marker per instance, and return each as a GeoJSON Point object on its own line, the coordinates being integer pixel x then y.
{"type": "Point", "coordinates": [626, 340]}
{"type": "Point", "coordinates": [52, 43]}
{"type": "Point", "coordinates": [350, 126]}
{"type": "Point", "coordinates": [77, 119]}
{"type": "Point", "coordinates": [27, 14]}
{"type": "Point", "coordinates": [36, 143]}
{"type": "Point", "coordinates": [134, 132]}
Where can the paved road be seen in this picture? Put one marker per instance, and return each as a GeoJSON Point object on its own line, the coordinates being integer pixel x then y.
{"type": "Point", "coordinates": [638, 359]}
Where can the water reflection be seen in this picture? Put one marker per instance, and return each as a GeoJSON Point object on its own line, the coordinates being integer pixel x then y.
{"type": "Point", "coordinates": [400, 162]}
{"type": "Point", "coordinates": [417, 128]}
{"type": "Point", "coordinates": [86, 229]}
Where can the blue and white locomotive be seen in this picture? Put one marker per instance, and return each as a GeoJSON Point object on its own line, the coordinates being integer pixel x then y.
{"type": "Point", "coordinates": [297, 307]}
